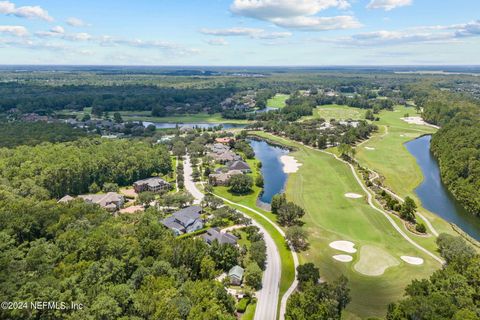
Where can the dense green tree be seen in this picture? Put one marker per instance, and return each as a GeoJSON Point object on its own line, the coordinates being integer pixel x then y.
{"type": "Point", "coordinates": [278, 201]}
{"type": "Point", "coordinates": [240, 183]}
{"type": "Point", "coordinates": [297, 237]}
{"type": "Point", "coordinates": [307, 272]}
{"type": "Point", "coordinates": [253, 276]}
{"type": "Point", "coordinates": [290, 214]}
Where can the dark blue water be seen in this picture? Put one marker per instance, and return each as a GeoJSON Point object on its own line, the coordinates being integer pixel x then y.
{"type": "Point", "coordinates": [272, 169]}
{"type": "Point", "coordinates": [171, 125]}
{"type": "Point", "coordinates": [434, 194]}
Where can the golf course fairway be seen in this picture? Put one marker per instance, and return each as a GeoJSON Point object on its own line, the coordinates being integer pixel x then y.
{"type": "Point", "coordinates": [319, 186]}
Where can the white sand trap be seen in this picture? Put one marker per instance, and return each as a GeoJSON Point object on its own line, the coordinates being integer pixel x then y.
{"type": "Point", "coordinates": [343, 245]}
{"type": "Point", "coordinates": [353, 195]}
{"type": "Point", "coordinates": [412, 260]}
{"type": "Point", "coordinates": [414, 120]}
{"type": "Point", "coordinates": [369, 148]}
{"type": "Point", "coordinates": [290, 164]}
{"type": "Point", "coordinates": [374, 261]}
{"type": "Point", "coordinates": [343, 257]}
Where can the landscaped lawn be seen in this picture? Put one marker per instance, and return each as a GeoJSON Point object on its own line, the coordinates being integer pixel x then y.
{"type": "Point", "coordinates": [337, 112]}
{"type": "Point", "coordinates": [319, 187]}
{"type": "Point", "coordinates": [187, 118]}
{"type": "Point", "coordinates": [278, 101]}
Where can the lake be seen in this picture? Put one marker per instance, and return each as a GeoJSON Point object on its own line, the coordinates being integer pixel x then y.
{"type": "Point", "coordinates": [272, 168]}
{"type": "Point", "coordinates": [172, 125]}
{"type": "Point", "coordinates": [434, 194]}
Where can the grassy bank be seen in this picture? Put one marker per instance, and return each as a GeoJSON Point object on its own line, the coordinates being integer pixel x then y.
{"type": "Point", "coordinates": [337, 112]}
{"type": "Point", "coordinates": [278, 101]}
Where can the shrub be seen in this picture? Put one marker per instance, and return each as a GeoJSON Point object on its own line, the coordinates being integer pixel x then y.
{"type": "Point", "coordinates": [242, 304]}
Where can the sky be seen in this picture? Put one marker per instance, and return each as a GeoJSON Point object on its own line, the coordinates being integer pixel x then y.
{"type": "Point", "coordinates": [240, 32]}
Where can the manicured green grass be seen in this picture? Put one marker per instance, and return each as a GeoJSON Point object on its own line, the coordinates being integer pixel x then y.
{"type": "Point", "coordinates": [250, 312]}
{"type": "Point", "coordinates": [278, 101]}
{"type": "Point", "coordinates": [337, 112]}
{"type": "Point", "coordinates": [392, 160]}
{"type": "Point", "coordinates": [319, 187]}
{"type": "Point", "coordinates": [187, 118]}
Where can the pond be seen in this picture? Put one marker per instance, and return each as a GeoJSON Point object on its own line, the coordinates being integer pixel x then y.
{"type": "Point", "coordinates": [274, 178]}
{"type": "Point", "coordinates": [434, 194]}
{"type": "Point", "coordinates": [172, 125]}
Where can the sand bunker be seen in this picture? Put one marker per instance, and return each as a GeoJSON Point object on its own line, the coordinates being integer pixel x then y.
{"type": "Point", "coordinates": [343, 257]}
{"type": "Point", "coordinates": [290, 164]}
{"type": "Point", "coordinates": [374, 261]}
{"type": "Point", "coordinates": [412, 260]}
{"type": "Point", "coordinates": [414, 120]}
{"type": "Point", "coordinates": [369, 148]}
{"type": "Point", "coordinates": [343, 245]}
{"type": "Point", "coordinates": [353, 195]}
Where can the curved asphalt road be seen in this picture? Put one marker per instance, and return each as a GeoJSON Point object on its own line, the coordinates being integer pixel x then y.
{"type": "Point", "coordinates": [267, 297]}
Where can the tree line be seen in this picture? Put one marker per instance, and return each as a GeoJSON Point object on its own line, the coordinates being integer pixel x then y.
{"type": "Point", "coordinates": [53, 170]}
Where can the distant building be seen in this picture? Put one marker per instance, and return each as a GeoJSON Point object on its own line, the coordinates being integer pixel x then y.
{"type": "Point", "coordinates": [236, 275]}
{"type": "Point", "coordinates": [185, 220]}
{"type": "Point", "coordinates": [154, 184]}
{"type": "Point", "coordinates": [110, 201]}
{"type": "Point", "coordinates": [214, 234]}
{"type": "Point", "coordinates": [240, 166]}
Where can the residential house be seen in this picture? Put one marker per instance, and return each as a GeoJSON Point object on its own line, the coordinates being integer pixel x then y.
{"type": "Point", "coordinates": [214, 234]}
{"type": "Point", "coordinates": [185, 220]}
{"type": "Point", "coordinates": [240, 166]}
{"type": "Point", "coordinates": [222, 178]}
{"type": "Point", "coordinates": [236, 275]}
{"type": "Point", "coordinates": [154, 184]}
{"type": "Point", "coordinates": [110, 201]}
{"type": "Point", "coordinates": [224, 140]}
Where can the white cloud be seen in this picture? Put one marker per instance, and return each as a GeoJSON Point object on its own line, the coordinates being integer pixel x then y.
{"type": "Point", "coordinates": [217, 42]}
{"type": "Point", "coordinates": [249, 32]}
{"type": "Point", "coordinates": [18, 31]}
{"type": "Point", "coordinates": [81, 36]}
{"type": "Point", "coordinates": [232, 32]}
{"type": "Point", "coordinates": [76, 22]}
{"type": "Point", "coordinates": [388, 5]}
{"type": "Point", "coordinates": [270, 9]}
{"type": "Point", "coordinates": [29, 12]}
{"type": "Point", "coordinates": [420, 34]}
{"type": "Point", "coordinates": [296, 14]}
{"type": "Point", "coordinates": [318, 23]}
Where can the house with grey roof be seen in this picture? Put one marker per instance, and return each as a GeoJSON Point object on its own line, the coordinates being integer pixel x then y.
{"type": "Point", "coordinates": [185, 220]}
{"type": "Point", "coordinates": [110, 201]}
{"type": "Point", "coordinates": [240, 166]}
{"type": "Point", "coordinates": [154, 184]}
{"type": "Point", "coordinates": [236, 275]}
{"type": "Point", "coordinates": [214, 234]}
{"type": "Point", "coordinates": [222, 178]}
